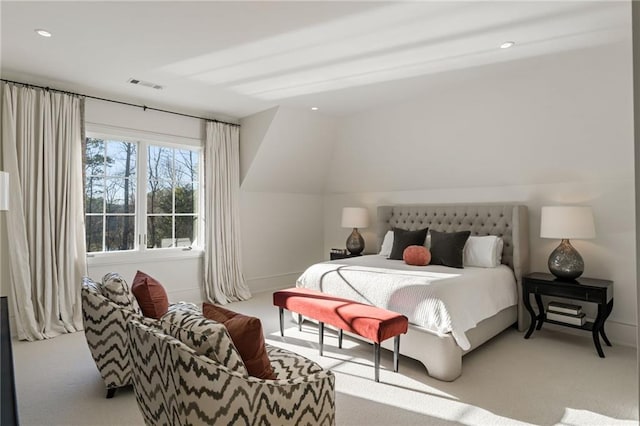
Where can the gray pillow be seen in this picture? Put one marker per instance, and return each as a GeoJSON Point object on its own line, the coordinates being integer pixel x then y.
{"type": "Point", "coordinates": [447, 248]}
{"type": "Point", "coordinates": [403, 239]}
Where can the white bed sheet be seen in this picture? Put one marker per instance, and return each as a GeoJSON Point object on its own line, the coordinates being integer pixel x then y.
{"type": "Point", "coordinates": [441, 299]}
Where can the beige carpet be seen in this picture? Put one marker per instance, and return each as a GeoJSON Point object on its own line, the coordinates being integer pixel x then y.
{"type": "Point", "coordinates": [553, 378]}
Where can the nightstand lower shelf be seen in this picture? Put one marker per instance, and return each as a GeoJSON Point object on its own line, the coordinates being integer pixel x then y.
{"type": "Point", "coordinates": [587, 326]}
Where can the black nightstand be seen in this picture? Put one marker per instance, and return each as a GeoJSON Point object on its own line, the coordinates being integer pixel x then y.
{"type": "Point", "coordinates": [586, 289]}
{"type": "Point", "coordinates": [336, 256]}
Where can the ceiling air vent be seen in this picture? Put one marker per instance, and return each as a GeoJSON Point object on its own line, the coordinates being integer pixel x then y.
{"type": "Point", "coordinates": [144, 83]}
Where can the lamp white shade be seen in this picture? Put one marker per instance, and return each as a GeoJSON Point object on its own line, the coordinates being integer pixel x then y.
{"type": "Point", "coordinates": [567, 222]}
{"type": "Point", "coordinates": [4, 191]}
{"type": "Point", "coordinates": [355, 217]}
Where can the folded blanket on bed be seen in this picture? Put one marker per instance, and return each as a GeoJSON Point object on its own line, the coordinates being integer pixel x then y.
{"type": "Point", "coordinates": [438, 298]}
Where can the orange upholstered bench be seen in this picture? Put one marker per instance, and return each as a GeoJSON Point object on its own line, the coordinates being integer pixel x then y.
{"type": "Point", "coordinates": [368, 321]}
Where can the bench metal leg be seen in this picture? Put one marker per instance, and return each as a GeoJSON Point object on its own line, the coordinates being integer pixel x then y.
{"type": "Point", "coordinates": [396, 353]}
{"type": "Point", "coordinates": [340, 338]}
{"type": "Point", "coordinates": [281, 322]}
{"type": "Point", "coordinates": [321, 336]}
{"type": "Point", "coordinates": [299, 322]}
{"type": "Point", "coordinates": [376, 360]}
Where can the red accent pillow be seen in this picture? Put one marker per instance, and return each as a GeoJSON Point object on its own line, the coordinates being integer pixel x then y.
{"type": "Point", "coordinates": [150, 295]}
{"type": "Point", "coordinates": [416, 255]}
{"type": "Point", "coordinates": [247, 336]}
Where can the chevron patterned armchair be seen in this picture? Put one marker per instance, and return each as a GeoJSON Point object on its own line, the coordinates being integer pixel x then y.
{"type": "Point", "coordinates": [106, 309]}
{"type": "Point", "coordinates": [177, 384]}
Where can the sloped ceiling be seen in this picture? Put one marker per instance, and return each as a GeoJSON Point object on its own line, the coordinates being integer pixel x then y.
{"type": "Point", "coordinates": [286, 150]}
{"type": "Point", "coordinates": [547, 120]}
{"type": "Point", "coordinates": [539, 121]}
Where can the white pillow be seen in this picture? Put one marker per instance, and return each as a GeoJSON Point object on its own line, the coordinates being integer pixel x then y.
{"type": "Point", "coordinates": [483, 252]}
{"type": "Point", "coordinates": [387, 244]}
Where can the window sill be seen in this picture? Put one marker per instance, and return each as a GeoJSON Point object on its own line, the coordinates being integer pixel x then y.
{"type": "Point", "coordinates": [160, 255]}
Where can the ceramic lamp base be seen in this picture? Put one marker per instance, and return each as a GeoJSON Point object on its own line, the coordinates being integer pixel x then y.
{"type": "Point", "coordinates": [355, 242]}
{"type": "Point", "coordinates": [565, 262]}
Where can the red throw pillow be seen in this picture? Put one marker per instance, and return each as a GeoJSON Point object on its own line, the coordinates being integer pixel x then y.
{"type": "Point", "coordinates": [150, 295]}
{"type": "Point", "coordinates": [416, 255]}
{"type": "Point", "coordinates": [246, 333]}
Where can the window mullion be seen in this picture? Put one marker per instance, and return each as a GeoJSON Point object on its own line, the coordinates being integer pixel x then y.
{"type": "Point", "coordinates": [173, 201]}
{"type": "Point", "coordinates": [104, 197]}
{"type": "Point", "coordinates": [199, 211]}
{"type": "Point", "coordinates": [141, 214]}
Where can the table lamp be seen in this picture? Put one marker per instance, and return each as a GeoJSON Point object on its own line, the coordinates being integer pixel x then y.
{"type": "Point", "coordinates": [355, 217]}
{"type": "Point", "coordinates": [564, 223]}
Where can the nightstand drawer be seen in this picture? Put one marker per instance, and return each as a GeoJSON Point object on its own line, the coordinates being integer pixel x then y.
{"type": "Point", "coordinates": [574, 292]}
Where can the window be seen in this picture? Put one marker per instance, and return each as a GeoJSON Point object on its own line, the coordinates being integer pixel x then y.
{"type": "Point", "coordinates": [172, 182]}
{"type": "Point", "coordinates": [110, 194]}
{"type": "Point", "coordinates": [140, 195]}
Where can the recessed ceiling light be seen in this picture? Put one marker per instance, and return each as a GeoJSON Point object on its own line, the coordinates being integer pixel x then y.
{"type": "Point", "coordinates": [43, 33]}
{"type": "Point", "coordinates": [314, 108]}
{"type": "Point", "coordinates": [507, 44]}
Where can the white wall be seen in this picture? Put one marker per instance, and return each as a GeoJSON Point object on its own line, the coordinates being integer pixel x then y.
{"type": "Point", "coordinates": [180, 277]}
{"type": "Point", "coordinates": [635, 20]}
{"type": "Point", "coordinates": [282, 234]}
{"type": "Point", "coordinates": [561, 118]}
{"type": "Point", "coordinates": [253, 130]}
{"type": "Point", "coordinates": [162, 125]}
{"type": "Point", "coordinates": [286, 150]}
{"type": "Point", "coordinates": [544, 131]}
{"type": "Point", "coordinates": [283, 157]}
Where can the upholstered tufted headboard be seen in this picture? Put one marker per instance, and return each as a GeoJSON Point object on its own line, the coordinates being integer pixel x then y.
{"type": "Point", "coordinates": [508, 221]}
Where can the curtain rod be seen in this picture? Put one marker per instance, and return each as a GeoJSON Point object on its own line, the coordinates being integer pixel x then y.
{"type": "Point", "coordinates": [144, 107]}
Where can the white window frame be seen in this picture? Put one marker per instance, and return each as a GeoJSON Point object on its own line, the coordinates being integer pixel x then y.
{"type": "Point", "coordinates": [140, 252]}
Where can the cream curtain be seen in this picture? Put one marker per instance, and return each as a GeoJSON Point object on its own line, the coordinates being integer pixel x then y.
{"type": "Point", "coordinates": [42, 151]}
{"type": "Point", "coordinates": [223, 279]}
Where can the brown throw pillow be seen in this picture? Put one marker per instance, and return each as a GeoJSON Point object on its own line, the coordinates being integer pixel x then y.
{"type": "Point", "coordinates": [246, 333]}
{"type": "Point", "coordinates": [150, 295]}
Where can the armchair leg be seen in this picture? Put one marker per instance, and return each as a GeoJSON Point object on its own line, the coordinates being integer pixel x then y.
{"type": "Point", "coordinates": [111, 392]}
{"type": "Point", "coordinates": [281, 322]}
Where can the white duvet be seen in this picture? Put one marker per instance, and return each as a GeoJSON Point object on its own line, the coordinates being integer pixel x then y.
{"type": "Point", "coordinates": [439, 298]}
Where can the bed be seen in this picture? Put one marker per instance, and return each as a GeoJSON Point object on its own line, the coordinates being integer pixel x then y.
{"type": "Point", "coordinates": [444, 326]}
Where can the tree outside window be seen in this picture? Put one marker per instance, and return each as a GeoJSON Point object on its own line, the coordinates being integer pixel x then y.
{"type": "Point", "coordinates": [112, 185]}
{"type": "Point", "coordinates": [172, 186]}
